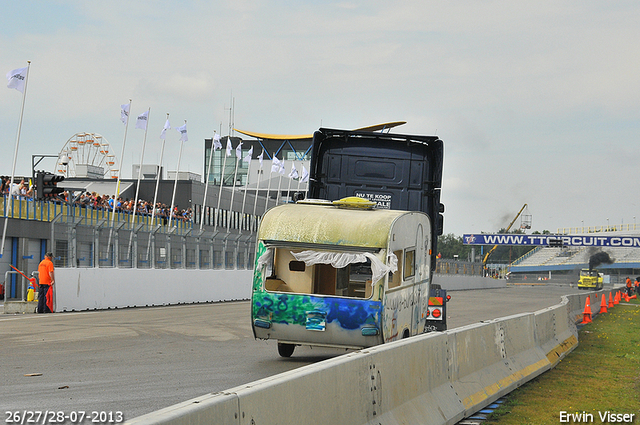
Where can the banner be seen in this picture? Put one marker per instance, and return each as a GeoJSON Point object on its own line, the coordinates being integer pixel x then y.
{"type": "Point", "coordinates": [142, 120]}
{"type": "Point", "coordinates": [552, 240]}
{"type": "Point", "coordinates": [17, 78]}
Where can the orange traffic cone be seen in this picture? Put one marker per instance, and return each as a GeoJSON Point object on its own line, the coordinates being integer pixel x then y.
{"type": "Point", "coordinates": [626, 296]}
{"type": "Point", "coordinates": [603, 304]}
{"type": "Point", "coordinates": [587, 312]}
{"type": "Point", "coordinates": [610, 300]}
{"type": "Point", "coordinates": [616, 299]}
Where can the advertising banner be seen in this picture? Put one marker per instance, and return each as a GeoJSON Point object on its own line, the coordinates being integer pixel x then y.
{"type": "Point", "coordinates": [552, 240]}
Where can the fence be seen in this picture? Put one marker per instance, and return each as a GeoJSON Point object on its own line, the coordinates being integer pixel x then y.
{"type": "Point", "coordinates": [78, 243]}
{"type": "Point", "coordinates": [89, 237]}
{"type": "Point", "coordinates": [467, 268]}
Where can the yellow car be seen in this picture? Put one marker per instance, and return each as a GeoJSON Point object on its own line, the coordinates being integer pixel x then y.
{"type": "Point", "coordinates": [590, 279]}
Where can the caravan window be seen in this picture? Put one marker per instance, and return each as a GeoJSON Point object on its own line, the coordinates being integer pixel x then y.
{"type": "Point", "coordinates": [395, 279]}
{"type": "Point", "coordinates": [293, 275]}
{"type": "Point", "coordinates": [409, 264]}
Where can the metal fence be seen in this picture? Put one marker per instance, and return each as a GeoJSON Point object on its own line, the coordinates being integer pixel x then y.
{"type": "Point", "coordinates": [126, 245]}
{"type": "Point", "coordinates": [459, 267]}
{"type": "Point", "coordinates": [88, 237]}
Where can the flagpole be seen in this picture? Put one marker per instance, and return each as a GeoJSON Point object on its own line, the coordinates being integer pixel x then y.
{"type": "Point", "coordinates": [293, 166]}
{"type": "Point", "coordinates": [117, 193]}
{"type": "Point", "coordinates": [255, 198]}
{"type": "Point", "coordinates": [155, 195]}
{"type": "Point", "coordinates": [206, 182]}
{"type": "Point", "coordinates": [175, 183]}
{"type": "Point", "coordinates": [224, 166]}
{"type": "Point", "coordinates": [15, 158]}
{"type": "Point", "coordinates": [135, 202]}
{"type": "Point", "coordinates": [266, 203]}
{"type": "Point", "coordinates": [279, 182]}
{"type": "Point", "coordinates": [244, 197]}
{"type": "Point", "coordinates": [233, 189]}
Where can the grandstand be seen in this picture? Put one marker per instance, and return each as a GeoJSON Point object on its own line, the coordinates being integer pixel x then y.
{"type": "Point", "coordinates": [564, 263]}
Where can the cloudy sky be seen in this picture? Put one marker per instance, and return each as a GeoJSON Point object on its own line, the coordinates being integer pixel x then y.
{"type": "Point", "coordinates": [537, 102]}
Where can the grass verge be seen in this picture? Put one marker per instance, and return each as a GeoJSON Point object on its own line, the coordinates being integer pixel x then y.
{"type": "Point", "coordinates": [601, 375]}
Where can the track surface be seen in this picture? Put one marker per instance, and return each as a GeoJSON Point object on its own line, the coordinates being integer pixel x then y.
{"type": "Point", "coordinates": [140, 360]}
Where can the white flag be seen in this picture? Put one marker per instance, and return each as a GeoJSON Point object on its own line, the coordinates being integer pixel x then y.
{"type": "Point", "coordinates": [239, 151]}
{"type": "Point", "coordinates": [261, 157]}
{"type": "Point", "coordinates": [216, 142]}
{"type": "Point", "coordinates": [16, 79]}
{"type": "Point", "coordinates": [275, 165]}
{"type": "Point", "coordinates": [166, 127]}
{"type": "Point", "coordinates": [183, 131]}
{"type": "Point", "coordinates": [124, 113]}
{"type": "Point", "coordinates": [142, 120]}
{"type": "Point", "coordinates": [247, 158]}
{"type": "Point", "coordinates": [305, 175]}
{"type": "Point", "coordinates": [281, 170]}
{"type": "Point", "coordinates": [294, 173]}
{"type": "Point", "coordinates": [229, 147]}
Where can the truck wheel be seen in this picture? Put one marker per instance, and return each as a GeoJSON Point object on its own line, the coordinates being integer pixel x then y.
{"type": "Point", "coordinates": [285, 350]}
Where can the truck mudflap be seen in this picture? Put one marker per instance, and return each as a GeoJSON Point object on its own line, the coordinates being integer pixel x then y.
{"type": "Point", "coordinates": [436, 314]}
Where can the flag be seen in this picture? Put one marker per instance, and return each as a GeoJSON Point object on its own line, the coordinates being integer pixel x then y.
{"type": "Point", "coordinates": [166, 127]}
{"type": "Point", "coordinates": [16, 79]}
{"type": "Point", "coordinates": [239, 151]}
{"type": "Point", "coordinates": [305, 175]}
{"type": "Point", "coordinates": [261, 157]}
{"type": "Point", "coordinates": [281, 170]}
{"type": "Point", "coordinates": [124, 113]}
{"type": "Point", "coordinates": [275, 165]}
{"type": "Point", "coordinates": [247, 158]}
{"type": "Point", "coordinates": [183, 131]}
{"type": "Point", "coordinates": [216, 142]}
{"type": "Point", "coordinates": [294, 173]}
{"type": "Point", "coordinates": [142, 120]}
{"type": "Point", "coordinates": [229, 147]}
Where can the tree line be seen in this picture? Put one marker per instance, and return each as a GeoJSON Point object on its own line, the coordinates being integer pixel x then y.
{"type": "Point", "coordinates": [450, 245]}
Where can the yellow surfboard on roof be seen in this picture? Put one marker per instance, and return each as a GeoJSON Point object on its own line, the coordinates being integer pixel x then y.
{"type": "Point", "coordinates": [375, 127]}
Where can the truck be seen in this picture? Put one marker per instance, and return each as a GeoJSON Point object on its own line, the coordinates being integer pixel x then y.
{"type": "Point", "coordinates": [351, 266]}
{"type": "Point", "coordinates": [590, 279]}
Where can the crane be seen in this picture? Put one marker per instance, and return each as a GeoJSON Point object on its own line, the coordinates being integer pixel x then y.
{"type": "Point", "coordinates": [486, 257]}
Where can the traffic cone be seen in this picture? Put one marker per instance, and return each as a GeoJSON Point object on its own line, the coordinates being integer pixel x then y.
{"type": "Point", "coordinates": [610, 300]}
{"type": "Point", "coordinates": [603, 304]}
{"type": "Point", "coordinates": [626, 296]}
{"type": "Point", "coordinates": [633, 297]}
{"type": "Point", "coordinates": [616, 299]}
{"type": "Point", "coordinates": [587, 312]}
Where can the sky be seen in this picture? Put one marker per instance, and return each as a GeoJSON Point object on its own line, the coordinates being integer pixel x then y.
{"type": "Point", "coordinates": [537, 103]}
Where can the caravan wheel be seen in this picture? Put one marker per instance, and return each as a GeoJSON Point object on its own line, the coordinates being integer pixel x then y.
{"type": "Point", "coordinates": [285, 350]}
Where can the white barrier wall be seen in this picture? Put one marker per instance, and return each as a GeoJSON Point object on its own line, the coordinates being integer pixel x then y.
{"type": "Point", "coordinates": [101, 288]}
{"type": "Point", "coordinates": [433, 379]}
{"type": "Point", "coordinates": [78, 289]}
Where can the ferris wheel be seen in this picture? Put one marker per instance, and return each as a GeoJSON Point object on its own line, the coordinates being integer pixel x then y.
{"type": "Point", "coordinates": [87, 155]}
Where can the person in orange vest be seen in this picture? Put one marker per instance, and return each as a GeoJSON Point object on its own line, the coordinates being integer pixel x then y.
{"type": "Point", "coordinates": [629, 286]}
{"type": "Point", "coordinates": [47, 279]}
{"type": "Point", "coordinates": [637, 285]}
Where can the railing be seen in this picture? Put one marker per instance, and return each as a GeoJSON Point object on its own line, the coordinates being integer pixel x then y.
{"type": "Point", "coordinates": [38, 210]}
{"type": "Point", "coordinates": [458, 267]}
{"type": "Point", "coordinates": [16, 291]}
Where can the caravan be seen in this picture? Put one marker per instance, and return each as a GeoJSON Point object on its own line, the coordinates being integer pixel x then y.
{"type": "Point", "coordinates": [342, 274]}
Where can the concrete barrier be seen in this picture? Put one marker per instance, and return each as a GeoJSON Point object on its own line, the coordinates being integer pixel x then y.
{"type": "Point", "coordinates": [432, 379]}
{"type": "Point", "coordinates": [79, 289]}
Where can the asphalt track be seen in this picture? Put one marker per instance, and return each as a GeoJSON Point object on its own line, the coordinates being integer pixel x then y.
{"type": "Point", "coordinates": [140, 360]}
